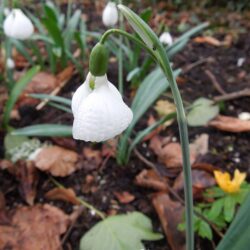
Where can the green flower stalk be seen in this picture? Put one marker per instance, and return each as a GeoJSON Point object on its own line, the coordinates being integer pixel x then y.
{"type": "Point", "coordinates": [98, 66]}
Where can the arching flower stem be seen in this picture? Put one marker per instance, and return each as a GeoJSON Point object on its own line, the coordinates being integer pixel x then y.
{"type": "Point", "coordinates": [129, 36]}
{"type": "Point", "coordinates": [159, 55]}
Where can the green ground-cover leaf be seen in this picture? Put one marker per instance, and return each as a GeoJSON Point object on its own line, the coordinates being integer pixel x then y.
{"type": "Point", "coordinates": [119, 232]}
{"type": "Point", "coordinates": [202, 112]}
{"type": "Point", "coordinates": [237, 236]}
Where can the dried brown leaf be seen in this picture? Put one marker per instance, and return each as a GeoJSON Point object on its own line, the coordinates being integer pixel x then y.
{"type": "Point", "coordinates": [27, 175]}
{"type": "Point", "coordinates": [207, 39]}
{"type": "Point", "coordinates": [150, 179]}
{"type": "Point", "coordinates": [38, 227]}
{"type": "Point", "coordinates": [92, 158]}
{"type": "Point", "coordinates": [230, 124]}
{"type": "Point", "coordinates": [42, 82]}
{"type": "Point", "coordinates": [64, 194]}
{"type": "Point", "coordinates": [57, 161]}
{"type": "Point", "coordinates": [201, 180]}
{"type": "Point", "coordinates": [170, 213]}
{"type": "Point", "coordinates": [200, 145]}
{"type": "Point", "coordinates": [124, 197]}
{"type": "Point", "coordinates": [170, 154]}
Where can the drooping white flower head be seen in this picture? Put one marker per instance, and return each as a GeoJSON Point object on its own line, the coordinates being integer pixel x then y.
{"type": "Point", "coordinates": [10, 64]}
{"type": "Point", "coordinates": [18, 25]}
{"type": "Point", "coordinates": [110, 15]}
{"type": "Point", "coordinates": [166, 38]}
{"type": "Point", "coordinates": [99, 113]}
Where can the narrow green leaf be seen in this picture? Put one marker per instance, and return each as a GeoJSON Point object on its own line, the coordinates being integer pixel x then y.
{"type": "Point", "coordinates": [237, 236]}
{"type": "Point", "coordinates": [45, 130]}
{"type": "Point", "coordinates": [141, 28]}
{"type": "Point", "coordinates": [58, 99]}
{"type": "Point", "coordinates": [71, 28]}
{"type": "Point", "coordinates": [60, 107]}
{"type": "Point", "coordinates": [21, 49]}
{"type": "Point", "coordinates": [16, 91]}
{"type": "Point", "coordinates": [119, 232]}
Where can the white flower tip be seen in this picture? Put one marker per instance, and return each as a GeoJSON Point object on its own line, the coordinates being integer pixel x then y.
{"type": "Point", "coordinates": [10, 64]}
{"type": "Point", "coordinates": [99, 114]}
{"type": "Point", "coordinates": [18, 25]}
{"type": "Point", "coordinates": [166, 38]}
{"type": "Point", "coordinates": [110, 15]}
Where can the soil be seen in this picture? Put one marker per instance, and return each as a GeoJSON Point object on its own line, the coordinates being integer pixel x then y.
{"type": "Point", "coordinates": [226, 150]}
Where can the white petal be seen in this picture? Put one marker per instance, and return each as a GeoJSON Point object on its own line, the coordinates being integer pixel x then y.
{"type": "Point", "coordinates": [110, 14]}
{"type": "Point", "coordinates": [81, 93]}
{"type": "Point", "coordinates": [17, 25]}
{"type": "Point", "coordinates": [101, 115]}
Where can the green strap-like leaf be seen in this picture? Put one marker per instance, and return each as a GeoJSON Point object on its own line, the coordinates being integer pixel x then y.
{"type": "Point", "coordinates": [16, 91]}
{"type": "Point", "coordinates": [45, 130]}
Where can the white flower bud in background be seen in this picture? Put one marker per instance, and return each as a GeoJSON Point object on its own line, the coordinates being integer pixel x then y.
{"type": "Point", "coordinates": [99, 113]}
{"type": "Point", "coordinates": [17, 25]}
{"type": "Point", "coordinates": [166, 38]}
{"type": "Point", "coordinates": [244, 116]}
{"type": "Point", "coordinates": [10, 64]}
{"type": "Point", "coordinates": [110, 15]}
{"type": "Point", "coordinates": [6, 11]}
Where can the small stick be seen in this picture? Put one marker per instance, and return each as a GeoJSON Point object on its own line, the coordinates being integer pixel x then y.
{"type": "Point", "coordinates": [233, 95]}
{"type": "Point", "coordinates": [175, 194]}
{"type": "Point", "coordinates": [66, 235]}
{"type": "Point", "coordinates": [215, 82]}
{"type": "Point", "coordinates": [53, 93]}
{"type": "Point", "coordinates": [197, 63]}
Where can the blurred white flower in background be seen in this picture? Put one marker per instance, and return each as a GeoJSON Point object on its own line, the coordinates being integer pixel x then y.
{"type": "Point", "coordinates": [10, 64]}
{"type": "Point", "coordinates": [244, 116]}
{"type": "Point", "coordinates": [110, 15]}
{"type": "Point", "coordinates": [18, 25]}
{"type": "Point", "coordinates": [166, 38]}
{"type": "Point", "coordinates": [99, 111]}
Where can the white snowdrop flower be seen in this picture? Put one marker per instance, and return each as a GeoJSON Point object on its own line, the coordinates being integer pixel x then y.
{"type": "Point", "coordinates": [166, 38]}
{"type": "Point", "coordinates": [10, 64]}
{"type": "Point", "coordinates": [6, 11]}
{"type": "Point", "coordinates": [99, 113]}
{"type": "Point", "coordinates": [241, 61]}
{"type": "Point", "coordinates": [244, 116]}
{"type": "Point", "coordinates": [110, 15]}
{"type": "Point", "coordinates": [17, 25]}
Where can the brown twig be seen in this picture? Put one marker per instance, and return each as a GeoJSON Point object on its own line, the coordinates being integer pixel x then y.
{"type": "Point", "coordinates": [197, 63]}
{"type": "Point", "coordinates": [73, 222]}
{"type": "Point", "coordinates": [215, 82]}
{"type": "Point", "coordinates": [174, 193]}
{"type": "Point", "coordinates": [53, 93]}
{"type": "Point", "coordinates": [233, 95]}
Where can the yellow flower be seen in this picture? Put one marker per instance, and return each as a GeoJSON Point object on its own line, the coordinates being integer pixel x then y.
{"type": "Point", "coordinates": [226, 184]}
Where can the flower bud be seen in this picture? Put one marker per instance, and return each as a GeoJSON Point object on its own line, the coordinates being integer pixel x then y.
{"type": "Point", "coordinates": [98, 61]}
{"type": "Point", "coordinates": [17, 25]}
{"type": "Point", "coordinates": [166, 38]}
{"type": "Point", "coordinates": [110, 14]}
